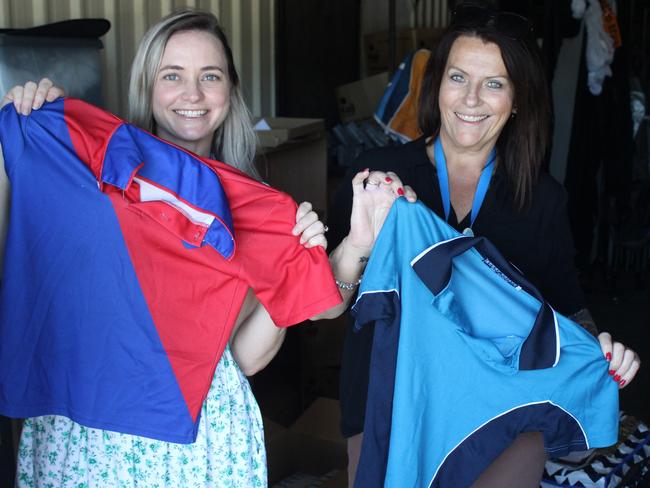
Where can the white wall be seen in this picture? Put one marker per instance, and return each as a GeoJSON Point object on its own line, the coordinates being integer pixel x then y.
{"type": "Point", "coordinates": [564, 92]}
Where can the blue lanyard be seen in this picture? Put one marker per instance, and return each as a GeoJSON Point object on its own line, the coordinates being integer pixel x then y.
{"type": "Point", "coordinates": [443, 181]}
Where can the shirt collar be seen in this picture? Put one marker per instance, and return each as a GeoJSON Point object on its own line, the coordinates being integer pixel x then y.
{"type": "Point", "coordinates": [169, 175]}
{"type": "Point", "coordinates": [434, 267]}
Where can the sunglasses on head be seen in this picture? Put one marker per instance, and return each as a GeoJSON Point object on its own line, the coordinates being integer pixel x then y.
{"type": "Point", "coordinates": [510, 24]}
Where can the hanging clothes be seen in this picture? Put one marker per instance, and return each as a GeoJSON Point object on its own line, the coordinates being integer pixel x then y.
{"type": "Point", "coordinates": [601, 151]}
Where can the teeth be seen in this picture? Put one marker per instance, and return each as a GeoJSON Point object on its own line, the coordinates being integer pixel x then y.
{"type": "Point", "coordinates": [191, 113]}
{"type": "Point", "coordinates": [471, 118]}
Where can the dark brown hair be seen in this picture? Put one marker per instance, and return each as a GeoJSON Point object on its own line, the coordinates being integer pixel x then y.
{"type": "Point", "coordinates": [523, 142]}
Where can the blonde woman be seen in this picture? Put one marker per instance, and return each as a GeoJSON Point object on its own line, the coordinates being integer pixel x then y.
{"type": "Point", "coordinates": [185, 89]}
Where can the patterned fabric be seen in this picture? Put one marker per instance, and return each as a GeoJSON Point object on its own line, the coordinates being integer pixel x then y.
{"type": "Point", "coordinates": [627, 465]}
{"type": "Point", "coordinates": [229, 450]}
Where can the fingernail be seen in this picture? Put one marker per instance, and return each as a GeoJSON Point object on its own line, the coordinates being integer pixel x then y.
{"type": "Point", "coordinates": [612, 372]}
{"type": "Point", "coordinates": [622, 383]}
{"type": "Point", "coordinates": [400, 192]}
{"type": "Point", "coordinates": [367, 169]}
{"type": "Point", "coordinates": [608, 356]}
{"type": "Point", "coordinates": [389, 179]}
{"type": "Point", "coordinates": [617, 377]}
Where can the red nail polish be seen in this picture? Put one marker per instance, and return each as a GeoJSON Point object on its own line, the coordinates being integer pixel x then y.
{"type": "Point", "coordinates": [400, 192]}
{"type": "Point", "coordinates": [622, 383]}
{"type": "Point", "coordinates": [611, 372]}
{"type": "Point", "coordinates": [617, 377]}
{"type": "Point", "coordinates": [389, 179]}
{"type": "Point", "coordinates": [608, 356]}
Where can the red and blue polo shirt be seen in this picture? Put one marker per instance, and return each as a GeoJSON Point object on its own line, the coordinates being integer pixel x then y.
{"type": "Point", "coordinates": [126, 264]}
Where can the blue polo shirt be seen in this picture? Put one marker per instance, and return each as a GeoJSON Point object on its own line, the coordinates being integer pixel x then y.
{"type": "Point", "coordinates": [467, 355]}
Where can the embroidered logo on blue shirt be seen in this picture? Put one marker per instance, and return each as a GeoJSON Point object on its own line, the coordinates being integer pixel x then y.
{"type": "Point", "coordinates": [500, 273]}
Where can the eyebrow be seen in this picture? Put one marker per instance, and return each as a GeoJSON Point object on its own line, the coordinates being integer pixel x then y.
{"type": "Point", "coordinates": [465, 73]}
{"type": "Point", "coordinates": [180, 68]}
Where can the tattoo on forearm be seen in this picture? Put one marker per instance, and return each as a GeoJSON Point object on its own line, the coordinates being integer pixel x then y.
{"type": "Point", "coordinates": [363, 259]}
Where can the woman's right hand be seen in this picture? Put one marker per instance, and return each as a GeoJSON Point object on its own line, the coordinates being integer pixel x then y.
{"type": "Point", "coordinates": [31, 96]}
{"type": "Point", "coordinates": [373, 195]}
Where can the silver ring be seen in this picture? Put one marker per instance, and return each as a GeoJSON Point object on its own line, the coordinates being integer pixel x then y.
{"type": "Point", "coordinates": [325, 229]}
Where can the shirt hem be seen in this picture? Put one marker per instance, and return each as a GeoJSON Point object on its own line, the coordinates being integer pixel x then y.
{"type": "Point", "coordinates": [30, 412]}
{"type": "Point", "coordinates": [313, 309]}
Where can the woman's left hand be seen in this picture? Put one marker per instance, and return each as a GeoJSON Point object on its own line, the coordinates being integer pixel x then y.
{"type": "Point", "coordinates": [623, 362]}
{"type": "Point", "coordinates": [309, 227]}
{"type": "Point", "coordinates": [373, 195]}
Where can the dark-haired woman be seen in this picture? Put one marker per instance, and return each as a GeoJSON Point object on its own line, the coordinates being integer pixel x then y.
{"type": "Point", "coordinates": [484, 114]}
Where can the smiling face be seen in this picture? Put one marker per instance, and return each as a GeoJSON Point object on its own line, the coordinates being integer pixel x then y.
{"type": "Point", "coordinates": [191, 94]}
{"type": "Point", "coordinates": [476, 96]}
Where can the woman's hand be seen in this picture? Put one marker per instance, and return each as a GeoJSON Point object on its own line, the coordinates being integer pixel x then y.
{"type": "Point", "coordinates": [308, 226]}
{"type": "Point", "coordinates": [623, 362]}
{"type": "Point", "coordinates": [373, 195]}
{"type": "Point", "coordinates": [31, 96]}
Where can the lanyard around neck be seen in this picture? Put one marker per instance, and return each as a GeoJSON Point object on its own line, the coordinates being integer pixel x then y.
{"type": "Point", "coordinates": [443, 181]}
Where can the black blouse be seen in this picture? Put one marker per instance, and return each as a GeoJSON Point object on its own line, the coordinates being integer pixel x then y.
{"type": "Point", "coordinates": [537, 240]}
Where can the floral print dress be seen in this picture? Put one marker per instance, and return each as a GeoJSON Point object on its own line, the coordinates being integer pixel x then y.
{"type": "Point", "coordinates": [229, 449]}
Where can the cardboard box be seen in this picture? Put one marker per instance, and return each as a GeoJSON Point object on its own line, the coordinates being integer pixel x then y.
{"type": "Point", "coordinates": [321, 349]}
{"type": "Point", "coordinates": [287, 129]}
{"type": "Point", "coordinates": [406, 41]}
{"type": "Point", "coordinates": [321, 421]}
{"type": "Point", "coordinates": [312, 445]}
{"type": "Point", "coordinates": [293, 158]}
{"type": "Point", "coordinates": [359, 100]}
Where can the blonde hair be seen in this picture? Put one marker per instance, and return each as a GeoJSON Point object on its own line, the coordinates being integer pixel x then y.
{"type": "Point", "coordinates": [234, 141]}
